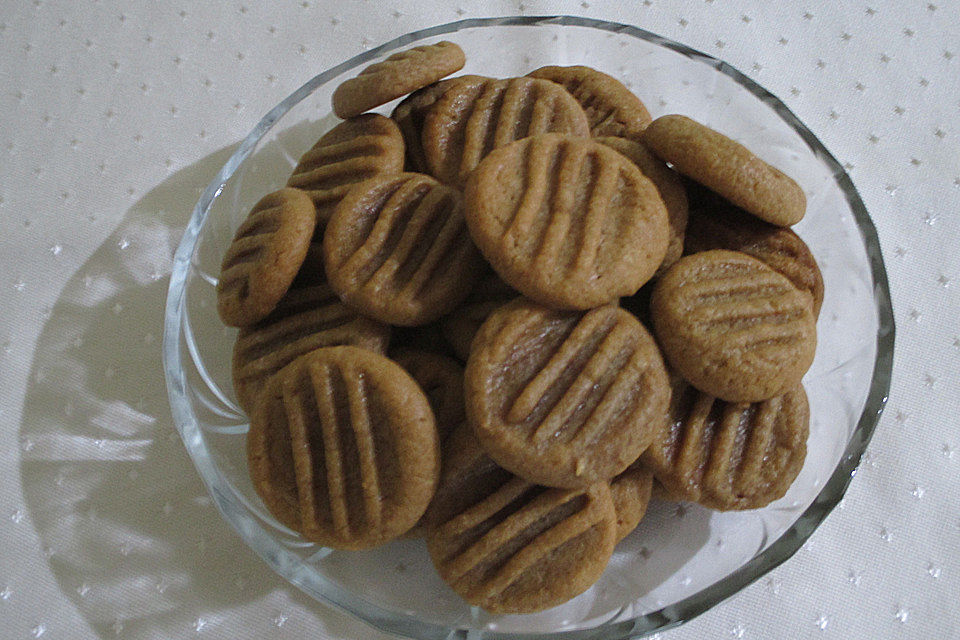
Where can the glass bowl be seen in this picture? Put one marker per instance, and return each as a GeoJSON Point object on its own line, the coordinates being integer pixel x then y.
{"type": "Point", "coordinates": [683, 559]}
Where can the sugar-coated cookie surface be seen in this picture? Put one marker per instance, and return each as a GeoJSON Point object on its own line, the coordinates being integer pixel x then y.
{"type": "Point", "coordinates": [726, 167]}
{"type": "Point", "coordinates": [343, 448]}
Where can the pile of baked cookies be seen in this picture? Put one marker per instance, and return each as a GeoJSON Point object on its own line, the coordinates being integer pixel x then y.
{"type": "Point", "coordinates": [445, 324]}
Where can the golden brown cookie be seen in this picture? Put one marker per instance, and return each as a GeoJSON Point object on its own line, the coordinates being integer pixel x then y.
{"type": "Point", "coordinates": [631, 492]}
{"type": "Point", "coordinates": [264, 257]}
{"type": "Point", "coordinates": [564, 398]}
{"type": "Point", "coordinates": [308, 317]}
{"type": "Point", "coordinates": [733, 327]}
{"type": "Point", "coordinates": [510, 546]}
{"type": "Point", "coordinates": [569, 222]}
{"type": "Point", "coordinates": [728, 455]}
{"type": "Point", "coordinates": [723, 226]}
{"type": "Point", "coordinates": [358, 149]}
{"type": "Point", "coordinates": [411, 113]}
{"type": "Point", "coordinates": [441, 379]}
{"type": "Point", "coordinates": [611, 108]}
{"type": "Point", "coordinates": [727, 167]}
{"type": "Point", "coordinates": [397, 249]}
{"type": "Point", "coordinates": [361, 441]}
{"type": "Point", "coordinates": [396, 76]}
{"type": "Point", "coordinates": [475, 117]}
{"type": "Point", "coordinates": [461, 325]}
{"type": "Point", "coordinates": [669, 186]}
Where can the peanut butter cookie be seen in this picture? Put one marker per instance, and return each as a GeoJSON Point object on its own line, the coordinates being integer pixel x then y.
{"type": "Point", "coordinates": [510, 546]}
{"type": "Point", "coordinates": [732, 326]}
{"type": "Point", "coordinates": [343, 448]}
{"type": "Point", "coordinates": [567, 221]}
{"type": "Point", "coordinates": [441, 379]}
{"type": "Point", "coordinates": [728, 168]}
{"type": "Point", "coordinates": [475, 117]}
{"type": "Point", "coordinates": [631, 491]}
{"type": "Point", "coordinates": [611, 108]}
{"type": "Point", "coordinates": [397, 249]}
{"type": "Point", "coordinates": [671, 190]}
{"type": "Point", "coordinates": [396, 76]}
{"type": "Point", "coordinates": [723, 226]}
{"type": "Point", "coordinates": [461, 325]}
{"type": "Point", "coordinates": [358, 149]}
{"type": "Point", "coordinates": [264, 257]}
{"type": "Point", "coordinates": [728, 455]}
{"type": "Point", "coordinates": [411, 113]}
{"type": "Point", "coordinates": [563, 398]}
{"type": "Point", "coordinates": [308, 317]}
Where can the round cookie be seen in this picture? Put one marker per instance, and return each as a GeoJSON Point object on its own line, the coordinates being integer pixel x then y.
{"type": "Point", "coordinates": [411, 113]}
{"type": "Point", "coordinates": [441, 379]}
{"type": "Point", "coordinates": [397, 248]}
{"type": "Point", "coordinates": [726, 167]}
{"type": "Point", "coordinates": [567, 221]}
{"type": "Point", "coordinates": [562, 398]}
{"type": "Point", "coordinates": [510, 546]}
{"type": "Point", "coordinates": [396, 76]}
{"type": "Point", "coordinates": [308, 317]}
{"type": "Point", "coordinates": [358, 149]}
{"type": "Point", "coordinates": [631, 491]}
{"type": "Point", "coordinates": [475, 117]}
{"type": "Point", "coordinates": [342, 447]}
{"type": "Point", "coordinates": [611, 108]}
{"type": "Point", "coordinates": [264, 257]}
{"type": "Point", "coordinates": [728, 455]}
{"type": "Point", "coordinates": [732, 326]}
{"type": "Point", "coordinates": [669, 186]}
{"type": "Point", "coordinates": [461, 325]}
{"type": "Point", "coordinates": [723, 226]}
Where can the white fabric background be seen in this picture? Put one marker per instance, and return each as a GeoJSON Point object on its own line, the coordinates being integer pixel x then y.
{"type": "Point", "coordinates": [114, 113]}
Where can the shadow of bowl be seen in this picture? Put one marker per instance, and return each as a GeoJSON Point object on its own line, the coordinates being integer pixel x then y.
{"type": "Point", "coordinates": [128, 529]}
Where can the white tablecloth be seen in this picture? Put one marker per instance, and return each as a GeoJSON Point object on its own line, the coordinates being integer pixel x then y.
{"type": "Point", "coordinates": [116, 112]}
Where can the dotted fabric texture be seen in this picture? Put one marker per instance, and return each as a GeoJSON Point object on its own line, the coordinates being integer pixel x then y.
{"type": "Point", "coordinates": [115, 114]}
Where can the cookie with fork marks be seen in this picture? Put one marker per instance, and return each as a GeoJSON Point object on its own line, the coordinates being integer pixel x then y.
{"type": "Point", "coordinates": [343, 448]}
{"type": "Point", "coordinates": [564, 398]}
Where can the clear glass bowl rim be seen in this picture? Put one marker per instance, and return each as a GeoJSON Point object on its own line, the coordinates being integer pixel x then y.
{"type": "Point", "coordinates": [670, 616]}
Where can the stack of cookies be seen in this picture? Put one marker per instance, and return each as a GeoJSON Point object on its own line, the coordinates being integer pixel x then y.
{"type": "Point", "coordinates": [503, 317]}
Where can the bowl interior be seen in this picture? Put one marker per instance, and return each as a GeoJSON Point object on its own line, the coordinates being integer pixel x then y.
{"type": "Point", "coordinates": [679, 549]}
